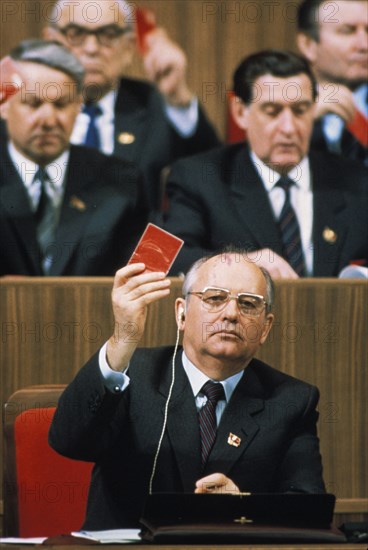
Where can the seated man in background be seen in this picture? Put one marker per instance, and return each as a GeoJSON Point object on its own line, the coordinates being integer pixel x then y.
{"type": "Point", "coordinates": [333, 36]}
{"type": "Point", "coordinates": [297, 213]}
{"type": "Point", "coordinates": [150, 125]}
{"type": "Point", "coordinates": [64, 210]}
{"type": "Point", "coordinates": [113, 413]}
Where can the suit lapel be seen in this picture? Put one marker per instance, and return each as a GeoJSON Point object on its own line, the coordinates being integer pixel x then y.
{"type": "Point", "coordinates": [239, 419]}
{"type": "Point", "coordinates": [130, 126]}
{"type": "Point", "coordinates": [15, 202]}
{"type": "Point", "coordinates": [251, 202]}
{"type": "Point", "coordinates": [329, 232]}
{"type": "Point", "coordinates": [183, 428]}
{"type": "Point", "coordinates": [76, 209]}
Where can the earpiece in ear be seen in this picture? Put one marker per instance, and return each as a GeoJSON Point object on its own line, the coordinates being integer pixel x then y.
{"type": "Point", "coordinates": [181, 314]}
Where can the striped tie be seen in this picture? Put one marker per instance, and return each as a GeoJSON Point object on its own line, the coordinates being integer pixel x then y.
{"type": "Point", "coordinates": [207, 417]}
{"type": "Point", "coordinates": [290, 232]}
{"type": "Point", "coordinates": [46, 219]}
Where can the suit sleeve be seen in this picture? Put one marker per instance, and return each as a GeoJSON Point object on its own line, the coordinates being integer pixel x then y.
{"type": "Point", "coordinates": [187, 216]}
{"type": "Point", "coordinates": [301, 467]}
{"type": "Point", "coordinates": [89, 419]}
{"type": "Point", "coordinates": [203, 139]}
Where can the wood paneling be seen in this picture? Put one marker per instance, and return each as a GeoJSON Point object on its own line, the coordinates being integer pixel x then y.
{"type": "Point", "coordinates": [215, 34]}
{"type": "Point", "coordinates": [50, 327]}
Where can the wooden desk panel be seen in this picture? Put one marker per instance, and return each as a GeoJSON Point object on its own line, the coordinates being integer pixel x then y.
{"type": "Point", "coordinates": [51, 326]}
{"type": "Point", "coordinates": [207, 547]}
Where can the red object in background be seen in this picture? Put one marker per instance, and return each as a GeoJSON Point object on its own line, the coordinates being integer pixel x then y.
{"type": "Point", "coordinates": [359, 128]}
{"type": "Point", "coordinates": [145, 23]}
{"type": "Point", "coordinates": [10, 80]}
{"type": "Point", "coordinates": [234, 133]}
{"type": "Point", "coordinates": [157, 249]}
{"type": "Point", "coordinates": [52, 489]}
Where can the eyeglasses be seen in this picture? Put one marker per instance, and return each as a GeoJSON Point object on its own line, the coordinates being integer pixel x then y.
{"type": "Point", "coordinates": [106, 36]}
{"type": "Point", "coordinates": [215, 299]}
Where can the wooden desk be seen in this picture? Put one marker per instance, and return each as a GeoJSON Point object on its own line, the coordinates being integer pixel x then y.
{"type": "Point", "coordinates": [50, 326]}
{"type": "Point", "coordinates": [205, 547]}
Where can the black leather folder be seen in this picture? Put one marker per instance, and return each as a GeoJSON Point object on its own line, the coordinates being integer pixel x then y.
{"type": "Point", "coordinates": [225, 518]}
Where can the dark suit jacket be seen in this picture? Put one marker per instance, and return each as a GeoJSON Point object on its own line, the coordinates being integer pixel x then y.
{"type": "Point", "coordinates": [102, 217]}
{"type": "Point", "coordinates": [274, 415]}
{"type": "Point", "coordinates": [350, 148]}
{"type": "Point", "coordinates": [139, 111]}
{"type": "Point", "coordinates": [217, 199]}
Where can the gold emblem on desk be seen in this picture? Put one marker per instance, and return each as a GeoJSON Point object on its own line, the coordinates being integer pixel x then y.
{"type": "Point", "coordinates": [242, 520]}
{"type": "Point", "coordinates": [125, 138]}
{"type": "Point", "coordinates": [233, 440]}
{"type": "Point", "coordinates": [329, 235]}
{"type": "Point", "coordinates": [77, 203]}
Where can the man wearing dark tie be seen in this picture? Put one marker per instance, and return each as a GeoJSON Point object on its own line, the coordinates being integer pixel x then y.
{"type": "Point", "coordinates": [65, 210]}
{"type": "Point", "coordinates": [152, 125]}
{"type": "Point", "coordinates": [298, 213]}
{"type": "Point", "coordinates": [333, 36]}
{"type": "Point", "coordinates": [206, 417]}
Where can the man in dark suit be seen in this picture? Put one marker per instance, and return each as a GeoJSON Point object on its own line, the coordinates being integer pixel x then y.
{"type": "Point", "coordinates": [64, 210]}
{"type": "Point", "coordinates": [204, 418]}
{"type": "Point", "coordinates": [150, 125]}
{"type": "Point", "coordinates": [333, 36]}
{"type": "Point", "coordinates": [236, 194]}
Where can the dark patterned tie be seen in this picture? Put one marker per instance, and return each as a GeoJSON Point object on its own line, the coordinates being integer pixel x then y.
{"type": "Point", "coordinates": [45, 219]}
{"type": "Point", "coordinates": [290, 231]}
{"type": "Point", "coordinates": [92, 137]}
{"type": "Point", "coordinates": [207, 416]}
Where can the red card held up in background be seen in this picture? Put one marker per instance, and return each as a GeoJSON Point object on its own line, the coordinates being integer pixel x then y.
{"type": "Point", "coordinates": [145, 23]}
{"type": "Point", "coordinates": [157, 249]}
{"type": "Point", "coordinates": [10, 80]}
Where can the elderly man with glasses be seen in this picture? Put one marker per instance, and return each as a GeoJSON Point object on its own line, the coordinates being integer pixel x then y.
{"type": "Point", "coordinates": [150, 125]}
{"type": "Point", "coordinates": [206, 417]}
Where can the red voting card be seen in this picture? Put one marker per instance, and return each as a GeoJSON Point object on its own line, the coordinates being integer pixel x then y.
{"type": "Point", "coordinates": [10, 80]}
{"type": "Point", "coordinates": [145, 23]}
{"type": "Point", "coordinates": [157, 249]}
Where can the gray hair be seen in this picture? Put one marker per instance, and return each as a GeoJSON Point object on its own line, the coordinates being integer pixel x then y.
{"type": "Point", "coordinates": [191, 275]}
{"type": "Point", "coordinates": [126, 8]}
{"type": "Point", "coordinates": [51, 54]}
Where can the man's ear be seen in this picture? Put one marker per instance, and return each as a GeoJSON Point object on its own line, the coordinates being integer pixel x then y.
{"type": "Point", "coordinates": [239, 112]}
{"type": "Point", "coordinates": [307, 46]}
{"type": "Point", "coordinates": [48, 33]}
{"type": "Point", "coordinates": [180, 313]}
{"type": "Point", "coordinates": [266, 327]}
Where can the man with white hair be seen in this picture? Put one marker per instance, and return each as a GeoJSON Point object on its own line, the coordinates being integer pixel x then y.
{"type": "Point", "coordinates": [150, 125]}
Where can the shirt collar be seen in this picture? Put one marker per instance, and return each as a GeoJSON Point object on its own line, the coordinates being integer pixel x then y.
{"type": "Point", "coordinates": [107, 104]}
{"type": "Point", "coordinates": [300, 173]}
{"type": "Point", "coordinates": [27, 168]}
{"type": "Point", "coordinates": [197, 378]}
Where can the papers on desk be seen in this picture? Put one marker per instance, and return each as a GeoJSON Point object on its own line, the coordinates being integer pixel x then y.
{"type": "Point", "coordinates": [27, 540]}
{"type": "Point", "coordinates": [112, 536]}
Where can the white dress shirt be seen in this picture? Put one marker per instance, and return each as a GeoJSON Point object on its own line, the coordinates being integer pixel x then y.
{"type": "Point", "coordinates": [184, 120]}
{"type": "Point", "coordinates": [119, 381]}
{"type": "Point", "coordinates": [301, 198]}
{"type": "Point", "coordinates": [27, 170]}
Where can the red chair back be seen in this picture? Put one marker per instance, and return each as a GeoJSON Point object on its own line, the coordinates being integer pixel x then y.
{"type": "Point", "coordinates": [45, 493]}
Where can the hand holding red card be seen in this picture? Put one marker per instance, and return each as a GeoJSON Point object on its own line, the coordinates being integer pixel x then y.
{"type": "Point", "coordinates": [157, 249]}
{"type": "Point", "coordinates": [10, 80]}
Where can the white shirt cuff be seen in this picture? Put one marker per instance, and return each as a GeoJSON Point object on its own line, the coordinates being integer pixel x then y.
{"type": "Point", "coordinates": [184, 119]}
{"type": "Point", "coordinates": [114, 381]}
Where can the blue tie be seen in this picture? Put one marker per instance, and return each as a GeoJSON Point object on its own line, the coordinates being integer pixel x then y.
{"type": "Point", "coordinates": [290, 231]}
{"type": "Point", "coordinates": [92, 137]}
